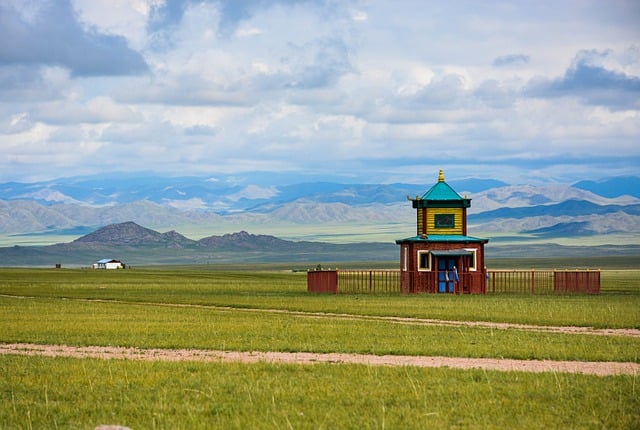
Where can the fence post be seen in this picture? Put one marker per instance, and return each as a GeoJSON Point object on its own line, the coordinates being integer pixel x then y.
{"type": "Point", "coordinates": [533, 281]}
{"type": "Point", "coordinates": [370, 280]}
{"type": "Point", "coordinates": [493, 282]}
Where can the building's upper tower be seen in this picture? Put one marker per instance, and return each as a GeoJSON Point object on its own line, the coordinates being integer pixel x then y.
{"type": "Point", "coordinates": [441, 211]}
{"type": "Point", "coordinates": [441, 246]}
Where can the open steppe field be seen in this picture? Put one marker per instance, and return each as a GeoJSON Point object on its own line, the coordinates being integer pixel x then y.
{"type": "Point", "coordinates": [192, 347]}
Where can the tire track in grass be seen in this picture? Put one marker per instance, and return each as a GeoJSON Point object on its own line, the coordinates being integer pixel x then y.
{"type": "Point", "coordinates": [625, 332]}
{"type": "Point", "coordinates": [307, 358]}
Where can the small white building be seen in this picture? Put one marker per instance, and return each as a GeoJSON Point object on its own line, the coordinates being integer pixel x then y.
{"type": "Point", "coordinates": [108, 263]}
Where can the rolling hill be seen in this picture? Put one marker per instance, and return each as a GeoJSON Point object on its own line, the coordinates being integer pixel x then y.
{"type": "Point", "coordinates": [336, 212]}
{"type": "Point", "coordinates": [612, 187]}
{"type": "Point", "coordinates": [130, 233]}
{"type": "Point", "coordinates": [137, 245]}
{"type": "Point", "coordinates": [574, 208]}
{"type": "Point", "coordinates": [224, 194]}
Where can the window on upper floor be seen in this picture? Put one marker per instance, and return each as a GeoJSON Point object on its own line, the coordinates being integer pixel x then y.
{"type": "Point", "coordinates": [444, 221]}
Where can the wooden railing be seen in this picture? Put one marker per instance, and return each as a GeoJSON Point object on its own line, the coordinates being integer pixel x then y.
{"type": "Point", "coordinates": [520, 281]}
{"type": "Point", "coordinates": [369, 281]}
{"type": "Point", "coordinates": [577, 282]}
{"type": "Point", "coordinates": [497, 282]}
{"type": "Point", "coordinates": [543, 281]}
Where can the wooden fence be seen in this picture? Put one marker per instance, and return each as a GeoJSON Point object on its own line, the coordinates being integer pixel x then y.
{"type": "Point", "coordinates": [498, 282]}
{"type": "Point", "coordinates": [369, 281]}
{"type": "Point", "coordinates": [520, 281]}
{"type": "Point", "coordinates": [543, 281]}
{"type": "Point", "coordinates": [322, 281]}
{"type": "Point", "coordinates": [577, 282]}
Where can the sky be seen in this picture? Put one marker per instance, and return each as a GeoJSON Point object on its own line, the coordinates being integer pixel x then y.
{"type": "Point", "coordinates": [368, 91]}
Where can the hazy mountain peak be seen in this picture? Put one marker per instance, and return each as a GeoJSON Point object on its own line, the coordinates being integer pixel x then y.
{"type": "Point", "coordinates": [299, 210]}
{"type": "Point", "coordinates": [612, 187]}
{"type": "Point", "coordinates": [529, 195]}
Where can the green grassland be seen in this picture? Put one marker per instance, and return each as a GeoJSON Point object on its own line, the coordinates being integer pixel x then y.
{"type": "Point", "coordinates": [80, 394]}
{"type": "Point", "coordinates": [197, 307]}
{"type": "Point", "coordinates": [143, 325]}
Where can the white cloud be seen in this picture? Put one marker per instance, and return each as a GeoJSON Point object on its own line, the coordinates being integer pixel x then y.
{"type": "Point", "coordinates": [83, 51]}
{"type": "Point", "coordinates": [359, 15]}
{"type": "Point", "coordinates": [254, 192]}
{"type": "Point", "coordinates": [187, 204]}
{"type": "Point", "coordinates": [248, 32]}
{"type": "Point", "coordinates": [353, 88]}
{"type": "Point", "coordinates": [96, 110]}
{"type": "Point", "coordinates": [21, 84]}
{"type": "Point", "coordinates": [125, 18]}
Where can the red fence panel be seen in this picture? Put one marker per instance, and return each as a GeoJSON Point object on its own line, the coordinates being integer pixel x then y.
{"type": "Point", "coordinates": [577, 282]}
{"type": "Point", "coordinates": [322, 281]}
{"type": "Point", "coordinates": [543, 282]}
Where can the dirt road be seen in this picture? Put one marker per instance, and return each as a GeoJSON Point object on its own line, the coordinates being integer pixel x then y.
{"type": "Point", "coordinates": [108, 353]}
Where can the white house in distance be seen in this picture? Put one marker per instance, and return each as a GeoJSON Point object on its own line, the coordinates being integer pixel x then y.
{"type": "Point", "coordinates": [108, 263]}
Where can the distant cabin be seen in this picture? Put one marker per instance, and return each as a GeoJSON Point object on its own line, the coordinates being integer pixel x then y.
{"type": "Point", "coordinates": [108, 263]}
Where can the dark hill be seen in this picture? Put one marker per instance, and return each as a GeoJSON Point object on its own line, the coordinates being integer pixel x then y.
{"type": "Point", "coordinates": [566, 229]}
{"type": "Point", "coordinates": [243, 240]}
{"type": "Point", "coordinates": [137, 245]}
{"type": "Point", "coordinates": [131, 234]}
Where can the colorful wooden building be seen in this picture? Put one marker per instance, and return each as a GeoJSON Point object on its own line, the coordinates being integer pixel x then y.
{"type": "Point", "coordinates": [441, 258]}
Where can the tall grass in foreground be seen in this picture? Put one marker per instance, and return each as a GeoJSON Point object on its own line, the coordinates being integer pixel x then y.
{"type": "Point", "coordinates": [70, 393]}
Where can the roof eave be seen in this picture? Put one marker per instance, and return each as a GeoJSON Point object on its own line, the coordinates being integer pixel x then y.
{"type": "Point", "coordinates": [452, 239]}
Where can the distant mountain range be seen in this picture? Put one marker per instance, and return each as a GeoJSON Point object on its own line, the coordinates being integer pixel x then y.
{"type": "Point", "coordinates": [221, 195]}
{"type": "Point", "coordinates": [136, 245]}
{"type": "Point", "coordinates": [337, 212]}
{"type": "Point", "coordinates": [134, 235]}
{"type": "Point", "coordinates": [612, 187]}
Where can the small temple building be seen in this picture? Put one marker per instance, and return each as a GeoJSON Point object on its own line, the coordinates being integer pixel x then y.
{"type": "Point", "coordinates": [441, 257]}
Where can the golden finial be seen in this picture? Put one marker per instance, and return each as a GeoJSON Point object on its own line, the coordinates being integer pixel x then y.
{"type": "Point", "coordinates": [441, 176]}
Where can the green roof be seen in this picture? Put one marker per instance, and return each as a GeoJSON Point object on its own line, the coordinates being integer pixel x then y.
{"type": "Point", "coordinates": [441, 195]}
{"type": "Point", "coordinates": [441, 191]}
{"type": "Point", "coordinates": [442, 238]}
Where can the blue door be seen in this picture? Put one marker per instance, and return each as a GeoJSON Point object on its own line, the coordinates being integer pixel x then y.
{"type": "Point", "coordinates": [446, 274]}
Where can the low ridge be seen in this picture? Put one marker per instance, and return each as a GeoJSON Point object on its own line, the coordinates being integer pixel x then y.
{"type": "Point", "coordinates": [242, 240]}
{"type": "Point", "coordinates": [130, 233]}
